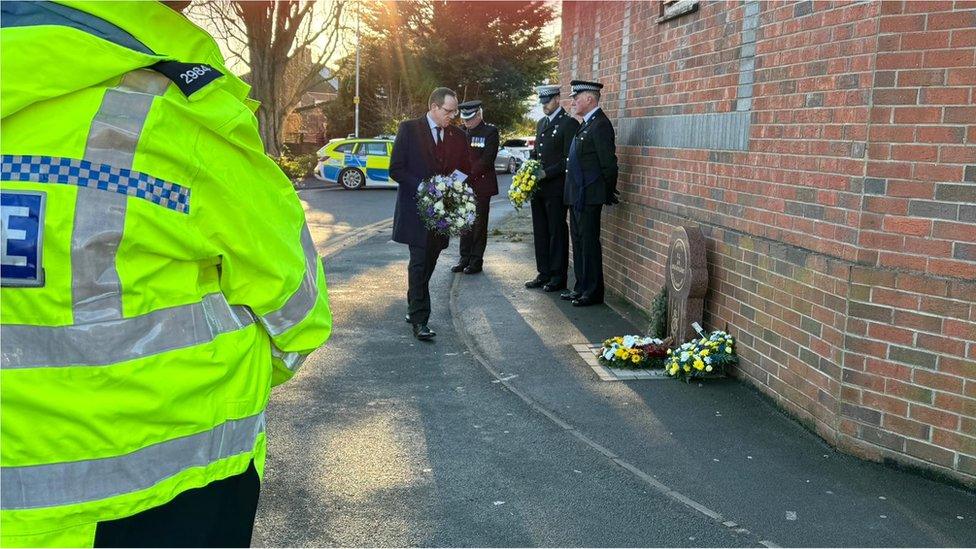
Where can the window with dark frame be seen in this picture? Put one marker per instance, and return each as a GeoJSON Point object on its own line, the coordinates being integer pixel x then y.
{"type": "Point", "coordinates": [672, 9]}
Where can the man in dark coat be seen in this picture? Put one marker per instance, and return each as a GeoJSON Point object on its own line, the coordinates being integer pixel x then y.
{"type": "Point", "coordinates": [483, 143]}
{"type": "Point", "coordinates": [553, 136]}
{"type": "Point", "coordinates": [591, 183]}
{"type": "Point", "coordinates": [424, 147]}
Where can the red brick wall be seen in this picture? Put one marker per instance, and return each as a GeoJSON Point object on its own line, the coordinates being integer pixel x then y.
{"type": "Point", "coordinates": [306, 125]}
{"type": "Point", "coordinates": [842, 239]}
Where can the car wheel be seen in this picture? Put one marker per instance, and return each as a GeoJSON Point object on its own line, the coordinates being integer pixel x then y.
{"type": "Point", "coordinates": [352, 179]}
{"type": "Point", "coordinates": [512, 165]}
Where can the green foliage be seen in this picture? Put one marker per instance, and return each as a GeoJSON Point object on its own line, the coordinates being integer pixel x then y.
{"type": "Point", "coordinates": [659, 315]}
{"type": "Point", "coordinates": [296, 167]}
{"type": "Point", "coordinates": [394, 123]}
{"type": "Point", "coordinates": [522, 128]}
{"type": "Point", "coordinates": [493, 51]}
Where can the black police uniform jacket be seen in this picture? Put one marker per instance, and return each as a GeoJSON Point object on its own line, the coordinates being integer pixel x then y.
{"type": "Point", "coordinates": [552, 141]}
{"type": "Point", "coordinates": [594, 179]}
{"type": "Point", "coordinates": [414, 159]}
{"type": "Point", "coordinates": [483, 141]}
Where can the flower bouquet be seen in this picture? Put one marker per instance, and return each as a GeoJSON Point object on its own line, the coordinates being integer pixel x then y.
{"type": "Point", "coordinates": [704, 357]}
{"type": "Point", "coordinates": [633, 352]}
{"type": "Point", "coordinates": [446, 204]}
{"type": "Point", "coordinates": [524, 184]}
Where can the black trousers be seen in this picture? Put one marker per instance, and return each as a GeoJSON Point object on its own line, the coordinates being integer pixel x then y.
{"type": "Point", "coordinates": [220, 514]}
{"type": "Point", "coordinates": [551, 236]}
{"type": "Point", "coordinates": [423, 259]}
{"type": "Point", "coordinates": [587, 251]}
{"type": "Point", "coordinates": [473, 242]}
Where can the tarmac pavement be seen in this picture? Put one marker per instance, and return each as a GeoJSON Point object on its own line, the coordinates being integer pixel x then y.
{"type": "Point", "coordinates": [498, 434]}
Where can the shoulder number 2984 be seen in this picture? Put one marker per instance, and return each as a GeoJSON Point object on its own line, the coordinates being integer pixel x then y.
{"type": "Point", "coordinates": [194, 73]}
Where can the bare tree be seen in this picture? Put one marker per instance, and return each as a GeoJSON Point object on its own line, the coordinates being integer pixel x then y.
{"type": "Point", "coordinates": [285, 44]}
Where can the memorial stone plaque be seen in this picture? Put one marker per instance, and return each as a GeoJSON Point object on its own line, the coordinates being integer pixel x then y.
{"type": "Point", "coordinates": [687, 282]}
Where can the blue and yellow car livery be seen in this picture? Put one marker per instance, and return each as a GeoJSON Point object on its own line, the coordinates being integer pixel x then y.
{"type": "Point", "coordinates": [356, 163]}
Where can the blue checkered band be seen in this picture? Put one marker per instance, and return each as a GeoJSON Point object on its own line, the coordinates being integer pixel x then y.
{"type": "Point", "coordinates": [71, 171]}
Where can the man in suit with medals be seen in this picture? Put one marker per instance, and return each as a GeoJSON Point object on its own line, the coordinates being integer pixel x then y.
{"type": "Point", "coordinates": [553, 137]}
{"type": "Point", "coordinates": [424, 147]}
{"type": "Point", "coordinates": [591, 183]}
{"type": "Point", "coordinates": [483, 143]}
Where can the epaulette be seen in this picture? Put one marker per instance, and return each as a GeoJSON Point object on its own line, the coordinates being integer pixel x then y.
{"type": "Point", "coordinates": [188, 77]}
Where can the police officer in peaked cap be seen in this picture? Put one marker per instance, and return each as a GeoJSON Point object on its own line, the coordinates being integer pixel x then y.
{"type": "Point", "coordinates": [553, 136]}
{"type": "Point", "coordinates": [591, 183]}
{"type": "Point", "coordinates": [483, 148]}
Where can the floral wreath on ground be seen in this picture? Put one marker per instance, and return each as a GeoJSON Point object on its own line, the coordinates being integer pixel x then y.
{"type": "Point", "coordinates": [446, 205]}
{"type": "Point", "coordinates": [524, 184]}
{"type": "Point", "coordinates": [705, 357]}
{"type": "Point", "coordinates": [633, 352]}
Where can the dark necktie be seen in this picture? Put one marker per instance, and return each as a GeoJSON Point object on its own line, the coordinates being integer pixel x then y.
{"type": "Point", "coordinates": [439, 149]}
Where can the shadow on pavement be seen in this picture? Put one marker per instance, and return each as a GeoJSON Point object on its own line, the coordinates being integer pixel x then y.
{"type": "Point", "coordinates": [718, 442]}
{"type": "Point", "coordinates": [385, 441]}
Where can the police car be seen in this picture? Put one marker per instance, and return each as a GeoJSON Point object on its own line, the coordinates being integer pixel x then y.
{"type": "Point", "coordinates": [356, 163]}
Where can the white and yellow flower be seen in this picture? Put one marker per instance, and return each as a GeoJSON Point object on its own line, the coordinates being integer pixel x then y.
{"type": "Point", "coordinates": [524, 184]}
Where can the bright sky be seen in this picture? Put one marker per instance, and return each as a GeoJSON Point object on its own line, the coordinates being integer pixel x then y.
{"type": "Point", "coordinates": [550, 32]}
{"type": "Point", "coordinates": [348, 45]}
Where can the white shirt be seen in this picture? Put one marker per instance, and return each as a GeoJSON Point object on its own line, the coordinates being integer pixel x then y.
{"type": "Point", "coordinates": [554, 114]}
{"type": "Point", "coordinates": [433, 128]}
{"type": "Point", "coordinates": [589, 115]}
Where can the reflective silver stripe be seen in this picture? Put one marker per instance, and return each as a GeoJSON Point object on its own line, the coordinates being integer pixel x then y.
{"type": "Point", "coordinates": [115, 131]}
{"type": "Point", "coordinates": [67, 483]}
{"type": "Point", "coordinates": [113, 341]}
{"type": "Point", "coordinates": [96, 292]}
{"type": "Point", "coordinates": [301, 302]}
{"type": "Point", "coordinates": [292, 361]}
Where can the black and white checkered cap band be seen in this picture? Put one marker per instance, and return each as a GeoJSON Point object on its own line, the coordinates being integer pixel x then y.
{"type": "Point", "coordinates": [547, 91]}
{"type": "Point", "coordinates": [585, 87]}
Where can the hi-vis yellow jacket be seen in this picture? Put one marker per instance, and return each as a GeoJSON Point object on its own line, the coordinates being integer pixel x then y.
{"type": "Point", "coordinates": [157, 273]}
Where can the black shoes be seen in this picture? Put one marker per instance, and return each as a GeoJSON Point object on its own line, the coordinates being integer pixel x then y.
{"type": "Point", "coordinates": [586, 301]}
{"type": "Point", "coordinates": [569, 295]}
{"type": "Point", "coordinates": [422, 332]}
{"type": "Point", "coordinates": [553, 287]}
{"type": "Point", "coordinates": [546, 284]}
{"type": "Point", "coordinates": [466, 268]}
